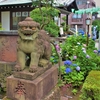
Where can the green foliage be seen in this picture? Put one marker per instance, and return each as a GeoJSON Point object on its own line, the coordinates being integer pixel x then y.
{"type": "Point", "coordinates": [72, 48]}
{"type": "Point", "coordinates": [63, 24]}
{"type": "Point", "coordinates": [60, 83]}
{"type": "Point", "coordinates": [52, 29]}
{"type": "Point", "coordinates": [3, 81]}
{"type": "Point", "coordinates": [1, 27]}
{"type": "Point", "coordinates": [91, 87]}
{"type": "Point", "coordinates": [96, 23]}
{"type": "Point", "coordinates": [45, 17]}
{"type": "Point", "coordinates": [75, 77]}
{"type": "Point", "coordinates": [74, 91]}
{"type": "Point", "coordinates": [54, 57]}
{"type": "Point", "coordinates": [64, 18]}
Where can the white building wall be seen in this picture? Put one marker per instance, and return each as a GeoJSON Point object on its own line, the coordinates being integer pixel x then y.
{"type": "Point", "coordinates": [5, 20]}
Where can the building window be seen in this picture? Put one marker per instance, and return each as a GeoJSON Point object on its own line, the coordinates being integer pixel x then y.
{"type": "Point", "coordinates": [79, 16]}
{"type": "Point", "coordinates": [76, 16]}
{"type": "Point", "coordinates": [81, 2]}
{"type": "Point", "coordinates": [17, 17]}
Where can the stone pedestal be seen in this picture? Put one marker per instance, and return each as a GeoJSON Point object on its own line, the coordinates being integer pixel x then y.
{"type": "Point", "coordinates": [37, 89]}
{"type": "Point", "coordinates": [31, 76]}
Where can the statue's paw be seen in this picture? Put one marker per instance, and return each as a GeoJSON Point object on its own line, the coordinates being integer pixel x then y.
{"type": "Point", "coordinates": [33, 69]}
{"type": "Point", "coordinates": [41, 65]}
{"type": "Point", "coordinates": [43, 62]}
{"type": "Point", "coordinates": [18, 68]}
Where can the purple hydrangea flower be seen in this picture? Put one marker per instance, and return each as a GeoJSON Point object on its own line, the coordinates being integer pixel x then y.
{"type": "Point", "coordinates": [78, 68]}
{"type": "Point", "coordinates": [67, 62]}
{"type": "Point", "coordinates": [74, 57]}
{"type": "Point", "coordinates": [68, 70]}
{"type": "Point", "coordinates": [87, 56]}
{"type": "Point", "coordinates": [58, 48]}
{"type": "Point", "coordinates": [95, 51]}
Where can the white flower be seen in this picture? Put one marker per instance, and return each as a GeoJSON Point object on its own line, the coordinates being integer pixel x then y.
{"type": "Point", "coordinates": [87, 56]}
{"type": "Point", "coordinates": [67, 55]}
{"type": "Point", "coordinates": [78, 43]}
{"type": "Point", "coordinates": [84, 51]}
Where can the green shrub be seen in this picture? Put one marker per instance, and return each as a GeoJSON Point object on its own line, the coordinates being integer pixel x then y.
{"type": "Point", "coordinates": [91, 87]}
{"type": "Point", "coordinates": [45, 18]}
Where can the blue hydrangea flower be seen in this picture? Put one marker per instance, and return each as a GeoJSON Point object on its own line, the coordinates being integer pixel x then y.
{"type": "Point", "coordinates": [68, 70]}
{"type": "Point", "coordinates": [88, 35]}
{"type": "Point", "coordinates": [98, 51]}
{"type": "Point", "coordinates": [52, 56]}
{"type": "Point", "coordinates": [78, 68]}
{"type": "Point", "coordinates": [67, 62]}
{"type": "Point", "coordinates": [55, 61]}
{"type": "Point", "coordinates": [93, 38]}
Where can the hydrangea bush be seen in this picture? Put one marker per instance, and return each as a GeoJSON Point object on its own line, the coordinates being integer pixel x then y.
{"type": "Point", "coordinates": [78, 59]}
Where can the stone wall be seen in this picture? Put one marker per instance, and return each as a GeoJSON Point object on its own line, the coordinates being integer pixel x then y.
{"type": "Point", "coordinates": [8, 45]}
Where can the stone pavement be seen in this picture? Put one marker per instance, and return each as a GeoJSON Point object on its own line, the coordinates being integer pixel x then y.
{"type": "Point", "coordinates": [64, 98]}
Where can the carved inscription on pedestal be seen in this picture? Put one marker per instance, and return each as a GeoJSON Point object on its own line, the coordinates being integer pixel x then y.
{"type": "Point", "coordinates": [20, 91]}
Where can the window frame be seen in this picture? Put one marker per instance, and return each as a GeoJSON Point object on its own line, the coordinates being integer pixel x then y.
{"type": "Point", "coordinates": [21, 18]}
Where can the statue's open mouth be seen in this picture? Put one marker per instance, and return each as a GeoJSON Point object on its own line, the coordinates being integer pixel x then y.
{"type": "Point", "coordinates": [27, 34]}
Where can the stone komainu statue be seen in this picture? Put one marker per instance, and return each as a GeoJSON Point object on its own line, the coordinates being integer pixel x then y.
{"type": "Point", "coordinates": [33, 44]}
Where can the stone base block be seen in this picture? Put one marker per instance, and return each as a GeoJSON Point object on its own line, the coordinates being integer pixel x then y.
{"type": "Point", "coordinates": [54, 94]}
{"type": "Point", "coordinates": [25, 74]}
{"type": "Point", "coordinates": [37, 89]}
